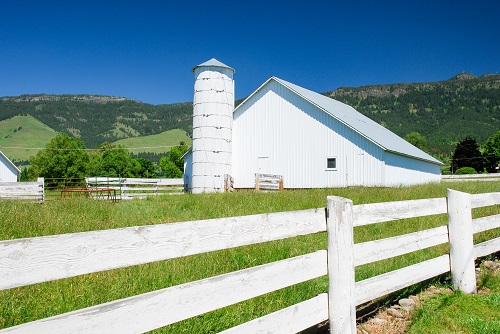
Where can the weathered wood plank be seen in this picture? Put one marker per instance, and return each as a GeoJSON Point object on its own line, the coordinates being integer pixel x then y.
{"type": "Point", "coordinates": [476, 177]}
{"type": "Point", "coordinates": [487, 247]}
{"type": "Point", "coordinates": [384, 284]}
{"type": "Point", "coordinates": [163, 182]}
{"type": "Point", "coordinates": [22, 190]}
{"type": "Point", "coordinates": [163, 307]}
{"type": "Point", "coordinates": [463, 273]}
{"type": "Point", "coordinates": [480, 200]}
{"type": "Point", "coordinates": [366, 214]}
{"type": "Point", "coordinates": [35, 260]}
{"type": "Point", "coordinates": [376, 250]}
{"type": "Point", "coordinates": [339, 226]}
{"type": "Point", "coordinates": [293, 319]}
{"type": "Point", "coordinates": [486, 223]}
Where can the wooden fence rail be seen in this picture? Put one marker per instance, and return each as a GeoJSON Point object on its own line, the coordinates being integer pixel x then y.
{"type": "Point", "coordinates": [128, 188]}
{"type": "Point", "coordinates": [40, 259]}
{"type": "Point", "coordinates": [23, 190]}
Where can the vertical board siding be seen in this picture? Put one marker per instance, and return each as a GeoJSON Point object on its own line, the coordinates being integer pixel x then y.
{"type": "Point", "coordinates": [400, 169]}
{"type": "Point", "coordinates": [8, 173]}
{"type": "Point", "coordinates": [294, 138]}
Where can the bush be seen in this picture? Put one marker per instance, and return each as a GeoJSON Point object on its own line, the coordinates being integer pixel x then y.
{"type": "Point", "coordinates": [465, 170]}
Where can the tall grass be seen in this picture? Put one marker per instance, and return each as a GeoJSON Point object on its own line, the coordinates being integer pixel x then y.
{"type": "Point", "coordinates": [24, 219]}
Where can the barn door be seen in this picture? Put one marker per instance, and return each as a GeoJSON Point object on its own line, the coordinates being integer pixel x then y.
{"type": "Point", "coordinates": [355, 170]}
{"type": "Point", "coordinates": [263, 164]}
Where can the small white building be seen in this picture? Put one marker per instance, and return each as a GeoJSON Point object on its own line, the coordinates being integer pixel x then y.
{"type": "Point", "coordinates": [8, 171]}
{"type": "Point", "coordinates": [312, 141]}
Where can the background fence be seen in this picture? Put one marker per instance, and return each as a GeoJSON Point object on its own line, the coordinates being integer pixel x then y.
{"type": "Point", "coordinates": [128, 188]}
{"type": "Point", "coordinates": [268, 182]}
{"type": "Point", "coordinates": [23, 190]}
{"type": "Point", "coordinates": [471, 177]}
{"type": "Point", "coordinates": [40, 259]}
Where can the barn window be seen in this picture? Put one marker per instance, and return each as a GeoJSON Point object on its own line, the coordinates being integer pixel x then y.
{"type": "Point", "coordinates": [331, 163]}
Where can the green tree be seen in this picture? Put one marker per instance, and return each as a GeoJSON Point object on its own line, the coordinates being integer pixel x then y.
{"type": "Point", "coordinates": [176, 153]}
{"type": "Point", "coordinates": [64, 160]}
{"type": "Point", "coordinates": [113, 160]}
{"type": "Point", "coordinates": [169, 168]}
{"type": "Point", "coordinates": [173, 164]}
{"type": "Point", "coordinates": [416, 139]}
{"type": "Point", "coordinates": [467, 154]}
{"type": "Point", "coordinates": [491, 152]}
{"type": "Point", "coordinates": [147, 168]}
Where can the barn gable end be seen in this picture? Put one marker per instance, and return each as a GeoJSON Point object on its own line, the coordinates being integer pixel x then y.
{"type": "Point", "coordinates": [8, 171]}
{"type": "Point", "coordinates": [287, 130]}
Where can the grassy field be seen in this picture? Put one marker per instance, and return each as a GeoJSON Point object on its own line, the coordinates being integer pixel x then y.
{"type": "Point", "coordinates": [462, 313]}
{"type": "Point", "coordinates": [19, 133]}
{"type": "Point", "coordinates": [159, 143]}
{"type": "Point", "coordinates": [23, 219]}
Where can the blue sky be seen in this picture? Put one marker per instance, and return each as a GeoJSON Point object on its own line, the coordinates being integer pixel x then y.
{"type": "Point", "coordinates": [145, 50]}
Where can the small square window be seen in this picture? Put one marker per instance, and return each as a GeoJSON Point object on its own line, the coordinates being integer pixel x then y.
{"type": "Point", "coordinates": [331, 163]}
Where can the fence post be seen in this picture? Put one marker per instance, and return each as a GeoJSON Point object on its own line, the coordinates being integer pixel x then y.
{"type": "Point", "coordinates": [257, 182]}
{"type": "Point", "coordinates": [341, 296]}
{"type": "Point", "coordinates": [463, 274]}
{"type": "Point", "coordinates": [41, 180]}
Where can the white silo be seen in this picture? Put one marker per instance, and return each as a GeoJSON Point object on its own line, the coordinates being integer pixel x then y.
{"type": "Point", "coordinates": [212, 126]}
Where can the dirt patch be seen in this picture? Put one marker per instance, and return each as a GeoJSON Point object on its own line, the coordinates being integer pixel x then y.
{"type": "Point", "coordinates": [397, 318]}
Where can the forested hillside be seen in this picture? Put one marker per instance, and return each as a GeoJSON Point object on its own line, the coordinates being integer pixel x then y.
{"type": "Point", "coordinates": [443, 112]}
{"type": "Point", "coordinates": [98, 119]}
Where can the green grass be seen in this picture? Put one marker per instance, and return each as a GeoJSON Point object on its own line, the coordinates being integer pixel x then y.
{"type": "Point", "coordinates": [162, 140]}
{"type": "Point", "coordinates": [461, 313]}
{"type": "Point", "coordinates": [24, 219]}
{"type": "Point", "coordinates": [19, 133]}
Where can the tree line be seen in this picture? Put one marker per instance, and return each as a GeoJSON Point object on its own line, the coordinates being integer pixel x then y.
{"type": "Point", "coordinates": [471, 158]}
{"type": "Point", "coordinates": [99, 122]}
{"type": "Point", "coordinates": [66, 158]}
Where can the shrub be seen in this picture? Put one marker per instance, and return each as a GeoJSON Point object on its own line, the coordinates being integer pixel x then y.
{"type": "Point", "coordinates": [465, 170]}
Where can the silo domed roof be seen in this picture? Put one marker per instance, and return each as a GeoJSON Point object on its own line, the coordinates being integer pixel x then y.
{"type": "Point", "coordinates": [214, 62]}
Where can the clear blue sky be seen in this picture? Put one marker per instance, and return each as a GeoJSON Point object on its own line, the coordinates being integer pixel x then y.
{"type": "Point", "coordinates": [145, 50]}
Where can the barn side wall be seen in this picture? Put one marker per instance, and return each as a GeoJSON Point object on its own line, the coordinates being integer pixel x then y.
{"type": "Point", "coordinates": [7, 172]}
{"type": "Point", "coordinates": [278, 132]}
{"type": "Point", "coordinates": [401, 170]}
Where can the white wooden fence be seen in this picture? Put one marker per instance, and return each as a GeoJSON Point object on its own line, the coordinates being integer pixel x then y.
{"type": "Point", "coordinates": [40, 259]}
{"type": "Point", "coordinates": [471, 177]}
{"type": "Point", "coordinates": [268, 182]}
{"type": "Point", "coordinates": [23, 190]}
{"type": "Point", "coordinates": [128, 188]}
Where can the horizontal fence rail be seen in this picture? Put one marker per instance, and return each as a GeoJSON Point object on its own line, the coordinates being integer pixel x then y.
{"type": "Point", "coordinates": [23, 190]}
{"type": "Point", "coordinates": [129, 188]}
{"type": "Point", "coordinates": [40, 259]}
{"type": "Point", "coordinates": [471, 177]}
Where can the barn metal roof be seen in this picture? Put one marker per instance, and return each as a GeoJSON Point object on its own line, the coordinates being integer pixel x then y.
{"type": "Point", "coordinates": [214, 62]}
{"type": "Point", "coordinates": [384, 138]}
{"type": "Point", "coordinates": [10, 162]}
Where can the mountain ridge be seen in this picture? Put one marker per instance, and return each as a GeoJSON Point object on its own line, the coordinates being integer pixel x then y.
{"type": "Point", "coordinates": [442, 111]}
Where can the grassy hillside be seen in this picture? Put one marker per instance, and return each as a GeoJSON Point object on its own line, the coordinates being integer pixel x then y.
{"type": "Point", "coordinates": [97, 119]}
{"type": "Point", "coordinates": [19, 133]}
{"type": "Point", "coordinates": [159, 143]}
{"type": "Point", "coordinates": [444, 112]}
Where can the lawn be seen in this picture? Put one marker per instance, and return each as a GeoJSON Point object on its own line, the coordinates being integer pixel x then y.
{"type": "Point", "coordinates": [24, 219]}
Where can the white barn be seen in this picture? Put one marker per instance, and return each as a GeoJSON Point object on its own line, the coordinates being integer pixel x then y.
{"type": "Point", "coordinates": [313, 141]}
{"type": "Point", "coordinates": [8, 171]}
